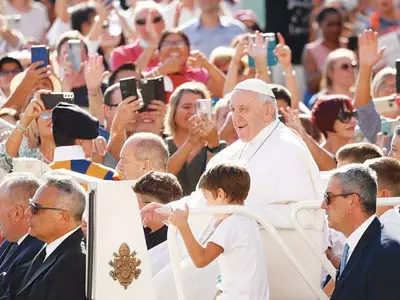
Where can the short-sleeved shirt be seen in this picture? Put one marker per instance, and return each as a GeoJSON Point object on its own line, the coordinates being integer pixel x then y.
{"type": "Point", "coordinates": [129, 54]}
{"type": "Point", "coordinates": [33, 23]}
{"type": "Point", "coordinates": [207, 39]}
{"type": "Point", "coordinates": [242, 265]}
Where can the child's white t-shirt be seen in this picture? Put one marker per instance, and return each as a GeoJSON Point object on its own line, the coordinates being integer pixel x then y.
{"type": "Point", "coordinates": [242, 265]}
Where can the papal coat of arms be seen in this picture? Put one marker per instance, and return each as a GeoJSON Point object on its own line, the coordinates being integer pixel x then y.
{"type": "Point", "coordinates": [125, 266]}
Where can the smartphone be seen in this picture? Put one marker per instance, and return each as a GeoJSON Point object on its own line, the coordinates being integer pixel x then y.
{"type": "Point", "coordinates": [398, 76]}
{"type": "Point", "coordinates": [204, 107]}
{"type": "Point", "coordinates": [12, 20]}
{"type": "Point", "coordinates": [128, 87]}
{"type": "Point", "coordinates": [40, 53]}
{"type": "Point", "coordinates": [51, 100]}
{"type": "Point", "coordinates": [151, 89]}
{"type": "Point", "coordinates": [270, 36]}
{"type": "Point", "coordinates": [281, 118]}
{"type": "Point", "coordinates": [388, 126]}
{"type": "Point", "coordinates": [386, 104]}
{"type": "Point", "coordinates": [74, 54]}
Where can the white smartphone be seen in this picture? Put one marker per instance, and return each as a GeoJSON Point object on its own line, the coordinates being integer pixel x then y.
{"type": "Point", "coordinates": [386, 105]}
{"type": "Point", "coordinates": [204, 107]}
{"type": "Point", "coordinates": [74, 54]}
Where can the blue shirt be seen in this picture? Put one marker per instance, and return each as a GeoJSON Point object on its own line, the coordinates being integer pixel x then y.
{"type": "Point", "coordinates": [207, 39]}
{"type": "Point", "coordinates": [104, 133]}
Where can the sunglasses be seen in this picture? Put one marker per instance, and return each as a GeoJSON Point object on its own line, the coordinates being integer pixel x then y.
{"type": "Point", "coordinates": [156, 20]}
{"type": "Point", "coordinates": [346, 67]}
{"type": "Point", "coordinates": [177, 44]}
{"type": "Point", "coordinates": [345, 116]}
{"type": "Point", "coordinates": [36, 207]}
{"type": "Point", "coordinates": [328, 196]}
{"type": "Point", "coordinates": [10, 72]}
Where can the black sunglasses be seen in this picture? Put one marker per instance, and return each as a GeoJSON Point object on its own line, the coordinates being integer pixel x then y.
{"type": "Point", "coordinates": [345, 116]}
{"type": "Point", "coordinates": [328, 196]}
{"type": "Point", "coordinates": [10, 72]}
{"type": "Point", "coordinates": [36, 207]}
{"type": "Point", "coordinates": [143, 21]}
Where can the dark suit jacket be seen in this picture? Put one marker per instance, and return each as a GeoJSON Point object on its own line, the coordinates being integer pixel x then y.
{"type": "Point", "coordinates": [373, 270]}
{"type": "Point", "coordinates": [23, 255]}
{"type": "Point", "coordinates": [61, 276]}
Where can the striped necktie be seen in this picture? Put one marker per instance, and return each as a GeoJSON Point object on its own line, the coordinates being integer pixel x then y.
{"type": "Point", "coordinates": [345, 256]}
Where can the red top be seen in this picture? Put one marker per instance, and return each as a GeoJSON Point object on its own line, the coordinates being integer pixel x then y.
{"type": "Point", "coordinates": [129, 54]}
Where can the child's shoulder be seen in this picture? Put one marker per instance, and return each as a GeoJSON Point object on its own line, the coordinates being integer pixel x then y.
{"type": "Point", "coordinates": [239, 221]}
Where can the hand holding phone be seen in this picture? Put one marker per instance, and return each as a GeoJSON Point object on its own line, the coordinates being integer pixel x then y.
{"type": "Point", "coordinates": [152, 89]}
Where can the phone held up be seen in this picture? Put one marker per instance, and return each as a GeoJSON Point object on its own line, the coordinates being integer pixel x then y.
{"type": "Point", "coordinates": [204, 108]}
{"type": "Point", "coordinates": [271, 58]}
{"type": "Point", "coordinates": [51, 100]}
{"type": "Point", "coordinates": [40, 53]}
{"type": "Point", "coordinates": [75, 54]}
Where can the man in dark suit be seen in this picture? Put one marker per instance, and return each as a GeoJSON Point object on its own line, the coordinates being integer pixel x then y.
{"type": "Point", "coordinates": [55, 217]}
{"type": "Point", "coordinates": [370, 263]}
{"type": "Point", "coordinates": [19, 247]}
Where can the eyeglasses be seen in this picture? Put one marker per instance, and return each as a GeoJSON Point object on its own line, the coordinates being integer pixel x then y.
{"type": "Point", "coordinates": [328, 196]}
{"type": "Point", "coordinates": [178, 44]}
{"type": "Point", "coordinates": [10, 72]}
{"type": "Point", "coordinates": [345, 116]}
{"type": "Point", "coordinates": [156, 20]}
{"type": "Point", "coordinates": [346, 66]}
{"type": "Point", "coordinates": [36, 207]}
{"type": "Point", "coordinates": [112, 105]}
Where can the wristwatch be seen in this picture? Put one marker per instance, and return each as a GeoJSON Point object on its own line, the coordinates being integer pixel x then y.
{"type": "Point", "coordinates": [216, 149]}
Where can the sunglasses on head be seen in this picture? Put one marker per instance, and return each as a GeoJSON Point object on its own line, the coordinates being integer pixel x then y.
{"type": "Point", "coordinates": [345, 116]}
{"type": "Point", "coordinates": [346, 66]}
{"type": "Point", "coordinates": [143, 21]}
{"type": "Point", "coordinates": [328, 196]}
{"type": "Point", "coordinates": [36, 207]}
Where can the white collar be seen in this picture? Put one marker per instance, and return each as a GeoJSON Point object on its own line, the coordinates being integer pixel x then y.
{"type": "Point", "coordinates": [264, 133]}
{"type": "Point", "coordinates": [22, 239]}
{"type": "Point", "coordinates": [355, 237]}
{"type": "Point", "coordinates": [54, 244]}
{"type": "Point", "coordinates": [69, 153]}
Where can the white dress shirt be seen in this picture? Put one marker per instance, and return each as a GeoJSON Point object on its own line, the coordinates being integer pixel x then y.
{"type": "Point", "coordinates": [391, 222]}
{"type": "Point", "coordinates": [54, 244]}
{"type": "Point", "coordinates": [69, 153]}
{"type": "Point", "coordinates": [355, 237]}
{"type": "Point", "coordinates": [22, 239]}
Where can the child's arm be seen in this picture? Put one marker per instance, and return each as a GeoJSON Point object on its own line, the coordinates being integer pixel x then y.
{"type": "Point", "coordinates": [200, 256]}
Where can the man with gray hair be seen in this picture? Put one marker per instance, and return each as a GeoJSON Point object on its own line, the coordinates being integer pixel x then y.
{"type": "Point", "coordinates": [370, 262]}
{"type": "Point", "coordinates": [142, 153]}
{"type": "Point", "coordinates": [55, 217]}
{"type": "Point", "coordinates": [19, 247]}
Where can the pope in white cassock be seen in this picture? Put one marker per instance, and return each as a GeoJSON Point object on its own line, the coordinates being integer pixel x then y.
{"type": "Point", "coordinates": [282, 171]}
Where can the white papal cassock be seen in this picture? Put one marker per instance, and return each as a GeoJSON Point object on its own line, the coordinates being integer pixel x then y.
{"type": "Point", "coordinates": [282, 171]}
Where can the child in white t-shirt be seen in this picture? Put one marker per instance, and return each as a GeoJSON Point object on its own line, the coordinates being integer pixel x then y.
{"type": "Point", "coordinates": [235, 240]}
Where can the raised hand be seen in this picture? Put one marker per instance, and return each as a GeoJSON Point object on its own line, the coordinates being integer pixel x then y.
{"type": "Point", "coordinates": [283, 53]}
{"type": "Point", "coordinates": [34, 109]}
{"type": "Point", "coordinates": [99, 146]}
{"type": "Point", "coordinates": [150, 27]}
{"type": "Point", "coordinates": [94, 72]}
{"type": "Point", "coordinates": [33, 75]}
{"type": "Point", "coordinates": [195, 126]}
{"type": "Point", "coordinates": [258, 48]}
{"type": "Point", "coordinates": [209, 131]}
{"type": "Point", "coordinates": [197, 59]}
{"type": "Point", "coordinates": [368, 48]}
{"type": "Point", "coordinates": [292, 120]}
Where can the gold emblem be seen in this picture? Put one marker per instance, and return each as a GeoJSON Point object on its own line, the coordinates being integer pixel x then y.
{"type": "Point", "coordinates": [125, 266]}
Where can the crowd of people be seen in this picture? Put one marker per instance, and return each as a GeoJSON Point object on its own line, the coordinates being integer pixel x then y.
{"type": "Point", "coordinates": [320, 96]}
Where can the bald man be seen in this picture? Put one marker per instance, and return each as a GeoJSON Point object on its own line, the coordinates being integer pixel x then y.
{"type": "Point", "coordinates": [142, 153]}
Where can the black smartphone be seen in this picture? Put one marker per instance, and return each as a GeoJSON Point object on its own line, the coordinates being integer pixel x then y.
{"type": "Point", "coordinates": [151, 89]}
{"type": "Point", "coordinates": [128, 87]}
{"type": "Point", "coordinates": [40, 53]}
{"type": "Point", "coordinates": [51, 100]}
{"type": "Point", "coordinates": [398, 76]}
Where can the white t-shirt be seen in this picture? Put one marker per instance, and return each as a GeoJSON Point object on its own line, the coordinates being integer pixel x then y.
{"type": "Point", "coordinates": [33, 23]}
{"type": "Point", "coordinates": [242, 265]}
{"type": "Point", "coordinates": [391, 222]}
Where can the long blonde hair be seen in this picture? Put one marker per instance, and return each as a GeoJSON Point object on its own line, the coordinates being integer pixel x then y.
{"type": "Point", "coordinates": [187, 87]}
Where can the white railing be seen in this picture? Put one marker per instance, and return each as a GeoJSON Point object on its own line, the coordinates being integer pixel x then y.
{"type": "Point", "coordinates": [175, 260]}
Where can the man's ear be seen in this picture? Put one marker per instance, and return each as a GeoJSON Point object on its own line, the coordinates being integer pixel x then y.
{"type": "Point", "coordinates": [18, 213]}
{"type": "Point", "coordinates": [269, 111]}
{"type": "Point", "coordinates": [147, 165]}
{"type": "Point", "coordinates": [383, 193]}
{"type": "Point", "coordinates": [221, 193]}
{"type": "Point", "coordinates": [78, 142]}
